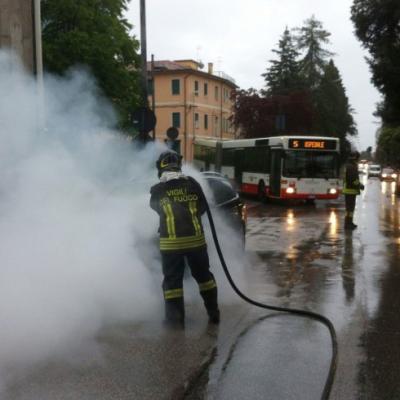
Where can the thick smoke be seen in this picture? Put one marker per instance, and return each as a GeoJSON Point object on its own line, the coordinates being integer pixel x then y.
{"type": "Point", "coordinates": [78, 243]}
{"type": "Point", "coordinates": [73, 213]}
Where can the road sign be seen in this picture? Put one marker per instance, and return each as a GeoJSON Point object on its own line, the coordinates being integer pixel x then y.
{"type": "Point", "coordinates": [172, 133]}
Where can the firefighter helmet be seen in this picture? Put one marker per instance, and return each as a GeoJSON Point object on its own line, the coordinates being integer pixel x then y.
{"type": "Point", "coordinates": [169, 161]}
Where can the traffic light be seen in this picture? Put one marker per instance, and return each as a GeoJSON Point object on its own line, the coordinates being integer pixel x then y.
{"type": "Point", "coordinates": [144, 121]}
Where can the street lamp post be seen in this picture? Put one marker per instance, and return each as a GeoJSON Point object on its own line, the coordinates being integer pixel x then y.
{"type": "Point", "coordinates": [37, 27]}
{"type": "Point", "coordinates": [38, 42]}
{"type": "Point", "coordinates": [143, 47]}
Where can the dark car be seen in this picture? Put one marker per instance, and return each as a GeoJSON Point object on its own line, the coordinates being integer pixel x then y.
{"type": "Point", "coordinates": [226, 199]}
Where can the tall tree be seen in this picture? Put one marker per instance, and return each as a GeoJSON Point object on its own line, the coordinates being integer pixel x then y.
{"type": "Point", "coordinates": [388, 149]}
{"type": "Point", "coordinates": [256, 116]}
{"type": "Point", "coordinates": [311, 39]}
{"type": "Point", "coordinates": [334, 114]}
{"type": "Point", "coordinates": [283, 75]}
{"type": "Point", "coordinates": [95, 34]}
{"type": "Point", "coordinates": [377, 24]}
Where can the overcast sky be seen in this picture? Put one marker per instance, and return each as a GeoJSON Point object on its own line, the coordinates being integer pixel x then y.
{"type": "Point", "coordinates": [238, 36]}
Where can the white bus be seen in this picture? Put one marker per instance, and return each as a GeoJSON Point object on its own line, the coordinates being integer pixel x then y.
{"type": "Point", "coordinates": [282, 167]}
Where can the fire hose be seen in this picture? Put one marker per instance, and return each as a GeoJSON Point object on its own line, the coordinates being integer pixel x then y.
{"type": "Point", "coordinates": [304, 313]}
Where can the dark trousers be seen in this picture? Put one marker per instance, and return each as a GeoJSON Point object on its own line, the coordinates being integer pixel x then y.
{"type": "Point", "coordinates": [173, 266]}
{"type": "Point", "coordinates": [350, 202]}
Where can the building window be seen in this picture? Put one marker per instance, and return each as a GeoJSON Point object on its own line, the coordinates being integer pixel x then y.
{"type": "Point", "coordinates": [226, 94]}
{"type": "Point", "coordinates": [196, 88]}
{"type": "Point", "coordinates": [196, 120]}
{"type": "Point", "coordinates": [206, 89]}
{"type": "Point", "coordinates": [176, 119]}
{"type": "Point", "coordinates": [206, 121]}
{"type": "Point", "coordinates": [176, 86]}
{"type": "Point", "coordinates": [216, 92]}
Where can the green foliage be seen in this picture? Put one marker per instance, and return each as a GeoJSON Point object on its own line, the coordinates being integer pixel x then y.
{"type": "Point", "coordinates": [283, 76]}
{"type": "Point", "coordinates": [388, 149]}
{"type": "Point", "coordinates": [306, 91]}
{"type": "Point", "coordinates": [377, 24]}
{"type": "Point", "coordinates": [256, 116]}
{"type": "Point", "coordinates": [310, 40]}
{"type": "Point", "coordinates": [334, 114]}
{"type": "Point", "coordinates": [94, 34]}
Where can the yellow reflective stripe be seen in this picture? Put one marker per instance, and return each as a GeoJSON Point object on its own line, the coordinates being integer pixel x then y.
{"type": "Point", "coordinates": [347, 190]}
{"type": "Point", "coordinates": [182, 239]}
{"type": "Point", "coordinates": [170, 220]}
{"type": "Point", "coordinates": [350, 191]}
{"type": "Point", "coordinates": [193, 211]}
{"type": "Point", "coordinates": [207, 285]}
{"type": "Point", "coordinates": [173, 293]}
{"type": "Point", "coordinates": [179, 246]}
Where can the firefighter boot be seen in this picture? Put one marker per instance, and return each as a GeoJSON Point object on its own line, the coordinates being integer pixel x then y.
{"type": "Point", "coordinates": [175, 313]}
{"type": "Point", "coordinates": [211, 304]}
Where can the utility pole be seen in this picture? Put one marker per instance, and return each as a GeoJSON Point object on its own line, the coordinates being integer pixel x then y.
{"type": "Point", "coordinates": [153, 93]}
{"type": "Point", "coordinates": [37, 28]}
{"type": "Point", "coordinates": [37, 20]}
{"type": "Point", "coordinates": [144, 118]}
{"type": "Point", "coordinates": [143, 48]}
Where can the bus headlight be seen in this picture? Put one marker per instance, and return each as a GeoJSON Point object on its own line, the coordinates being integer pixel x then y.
{"type": "Point", "coordinates": [384, 175]}
{"type": "Point", "coordinates": [394, 176]}
{"type": "Point", "coordinates": [332, 191]}
{"type": "Point", "coordinates": [290, 190]}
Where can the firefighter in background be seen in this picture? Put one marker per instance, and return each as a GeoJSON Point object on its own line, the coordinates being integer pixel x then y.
{"type": "Point", "coordinates": [180, 202]}
{"type": "Point", "coordinates": [351, 188]}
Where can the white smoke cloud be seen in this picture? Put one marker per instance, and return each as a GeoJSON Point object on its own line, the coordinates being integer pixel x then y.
{"type": "Point", "coordinates": [77, 237]}
{"type": "Point", "coordinates": [71, 218]}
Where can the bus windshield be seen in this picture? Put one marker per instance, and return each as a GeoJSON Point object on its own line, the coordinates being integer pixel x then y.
{"type": "Point", "coordinates": [310, 164]}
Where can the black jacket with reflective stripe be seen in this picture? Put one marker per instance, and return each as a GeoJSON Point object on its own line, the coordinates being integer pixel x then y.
{"type": "Point", "coordinates": [180, 204]}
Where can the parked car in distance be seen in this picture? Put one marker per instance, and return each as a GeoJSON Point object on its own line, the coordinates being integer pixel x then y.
{"type": "Point", "coordinates": [374, 170]}
{"type": "Point", "coordinates": [389, 175]}
{"type": "Point", "coordinates": [226, 199]}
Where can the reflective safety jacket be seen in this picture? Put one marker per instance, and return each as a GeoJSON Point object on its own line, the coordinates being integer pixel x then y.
{"type": "Point", "coordinates": [180, 204]}
{"type": "Point", "coordinates": [352, 184]}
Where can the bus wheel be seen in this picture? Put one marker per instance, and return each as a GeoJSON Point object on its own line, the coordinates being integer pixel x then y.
{"type": "Point", "coordinates": [261, 191]}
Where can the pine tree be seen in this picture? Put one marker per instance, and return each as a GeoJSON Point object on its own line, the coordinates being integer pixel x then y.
{"type": "Point", "coordinates": [310, 40]}
{"type": "Point", "coordinates": [334, 114]}
{"type": "Point", "coordinates": [283, 76]}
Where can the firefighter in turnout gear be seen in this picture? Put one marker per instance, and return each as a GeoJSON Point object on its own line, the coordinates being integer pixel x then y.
{"type": "Point", "coordinates": [351, 188]}
{"type": "Point", "coordinates": [179, 201]}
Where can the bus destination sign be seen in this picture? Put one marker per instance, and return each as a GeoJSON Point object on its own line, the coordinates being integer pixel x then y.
{"type": "Point", "coordinates": [312, 144]}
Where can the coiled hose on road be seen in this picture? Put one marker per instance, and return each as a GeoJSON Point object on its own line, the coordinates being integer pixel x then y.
{"type": "Point", "coordinates": [304, 313]}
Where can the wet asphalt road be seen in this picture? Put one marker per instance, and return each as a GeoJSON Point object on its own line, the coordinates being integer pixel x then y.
{"type": "Point", "coordinates": [302, 258]}
{"type": "Point", "coordinates": [296, 256]}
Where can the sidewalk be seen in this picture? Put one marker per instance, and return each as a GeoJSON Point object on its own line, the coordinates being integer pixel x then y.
{"type": "Point", "coordinates": [144, 361]}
